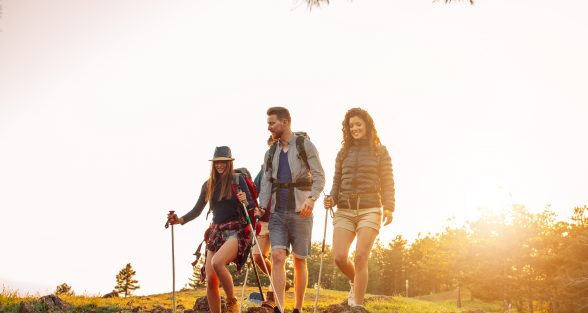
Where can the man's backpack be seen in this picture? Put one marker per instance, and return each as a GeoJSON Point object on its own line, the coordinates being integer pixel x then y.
{"type": "Point", "coordinates": [300, 136]}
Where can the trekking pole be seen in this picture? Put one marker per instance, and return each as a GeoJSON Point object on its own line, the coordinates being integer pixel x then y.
{"type": "Point", "coordinates": [173, 265]}
{"type": "Point", "coordinates": [255, 271]}
{"type": "Point", "coordinates": [251, 256]}
{"type": "Point", "coordinates": [318, 284]}
{"type": "Point", "coordinates": [243, 290]}
{"type": "Point", "coordinates": [260, 253]}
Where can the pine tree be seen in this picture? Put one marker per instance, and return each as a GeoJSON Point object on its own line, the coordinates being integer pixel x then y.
{"type": "Point", "coordinates": [394, 272]}
{"type": "Point", "coordinates": [573, 273]}
{"type": "Point", "coordinates": [63, 289]}
{"type": "Point", "coordinates": [125, 282]}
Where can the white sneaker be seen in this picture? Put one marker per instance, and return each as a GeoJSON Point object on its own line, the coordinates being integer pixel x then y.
{"type": "Point", "coordinates": [351, 297]}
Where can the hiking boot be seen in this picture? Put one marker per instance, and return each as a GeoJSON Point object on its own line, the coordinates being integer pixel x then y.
{"type": "Point", "coordinates": [351, 296]}
{"type": "Point", "coordinates": [295, 311]}
{"type": "Point", "coordinates": [269, 300]}
{"type": "Point", "coordinates": [232, 305]}
{"type": "Point", "coordinates": [270, 296]}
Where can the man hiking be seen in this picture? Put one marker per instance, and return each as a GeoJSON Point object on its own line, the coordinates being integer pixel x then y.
{"type": "Point", "coordinates": [291, 184]}
{"type": "Point", "coordinates": [263, 240]}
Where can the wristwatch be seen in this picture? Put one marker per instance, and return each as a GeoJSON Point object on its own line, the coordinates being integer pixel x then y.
{"type": "Point", "coordinates": [313, 198]}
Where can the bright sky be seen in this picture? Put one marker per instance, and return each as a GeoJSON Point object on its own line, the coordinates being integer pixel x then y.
{"type": "Point", "coordinates": [110, 111]}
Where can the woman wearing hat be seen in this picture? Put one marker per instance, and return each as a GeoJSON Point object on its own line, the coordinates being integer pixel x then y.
{"type": "Point", "coordinates": [229, 236]}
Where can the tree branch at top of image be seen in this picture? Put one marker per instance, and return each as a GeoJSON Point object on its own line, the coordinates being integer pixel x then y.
{"type": "Point", "coordinates": [317, 3]}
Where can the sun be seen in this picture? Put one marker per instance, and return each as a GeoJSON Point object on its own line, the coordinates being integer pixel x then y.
{"type": "Point", "coordinates": [488, 194]}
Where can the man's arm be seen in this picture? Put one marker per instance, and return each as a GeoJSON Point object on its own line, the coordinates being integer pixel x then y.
{"type": "Point", "coordinates": [265, 191]}
{"type": "Point", "coordinates": [316, 169]}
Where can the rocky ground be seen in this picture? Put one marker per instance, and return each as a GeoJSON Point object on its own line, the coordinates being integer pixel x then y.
{"type": "Point", "coordinates": [53, 304]}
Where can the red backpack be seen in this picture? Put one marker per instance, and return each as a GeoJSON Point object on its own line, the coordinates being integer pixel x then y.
{"type": "Point", "coordinates": [252, 191]}
{"type": "Point", "coordinates": [235, 189]}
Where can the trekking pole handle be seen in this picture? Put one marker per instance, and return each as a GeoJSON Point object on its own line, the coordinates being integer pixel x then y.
{"type": "Point", "coordinates": [325, 229]}
{"type": "Point", "coordinates": [257, 217]}
{"type": "Point", "coordinates": [245, 211]}
{"type": "Point", "coordinates": [171, 212]}
{"type": "Point", "coordinates": [330, 208]}
{"type": "Point", "coordinates": [238, 191]}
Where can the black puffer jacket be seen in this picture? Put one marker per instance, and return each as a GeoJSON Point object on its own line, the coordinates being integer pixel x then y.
{"type": "Point", "coordinates": [364, 173]}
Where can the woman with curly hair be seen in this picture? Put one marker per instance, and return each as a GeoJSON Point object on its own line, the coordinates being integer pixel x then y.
{"type": "Point", "coordinates": [363, 191]}
{"type": "Point", "coordinates": [229, 237]}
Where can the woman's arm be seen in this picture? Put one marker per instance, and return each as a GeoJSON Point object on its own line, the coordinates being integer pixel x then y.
{"type": "Point", "coordinates": [386, 180]}
{"type": "Point", "coordinates": [245, 189]}
{"type": "Point", "coordinates": [198, 207]}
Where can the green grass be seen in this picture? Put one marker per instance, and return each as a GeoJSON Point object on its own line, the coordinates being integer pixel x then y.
{"type": "Point", "coordinates": [10, 301]}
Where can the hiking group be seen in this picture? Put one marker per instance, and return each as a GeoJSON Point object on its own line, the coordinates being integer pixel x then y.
{"type": "Point", "coordinates": [289, 183]}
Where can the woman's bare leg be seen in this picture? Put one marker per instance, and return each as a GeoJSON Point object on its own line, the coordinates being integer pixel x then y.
{"type": "Point", "coordinates": [365, 241]}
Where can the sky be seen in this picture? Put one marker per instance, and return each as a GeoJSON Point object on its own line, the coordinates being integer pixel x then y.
{"type": "Point", "coordinates": [111, 109]}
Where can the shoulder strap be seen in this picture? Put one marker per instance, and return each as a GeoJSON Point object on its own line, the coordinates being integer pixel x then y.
{"type": "Point", "coordinates": [299, 146]}
{"type": "Point", "coordinates": [270, 157]}
{"type": "Point", "coordinates": [302, 150]}
{"type": "Point", "coordinates": [235, 186]}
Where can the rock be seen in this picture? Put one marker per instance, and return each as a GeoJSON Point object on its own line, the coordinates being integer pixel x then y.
{"type": "Point", "coordinates": [376, 298]}
{"type": "Point", "coordinates": [160, 309]}
{"type": "Point", "coordinates": [112, 294]}
{"type": "Point", "coordinates": [201, 305]}
{"type": "Point", "coordinates": [26, 307]}
{"type": "Point", "coordinates": [54, 303]}
{"type": "Point", "coordinates": [344, 308]}
{"type": "Point", "coordinates": [259, 310]}
{"type": "Point", "coordinates": [139, 309]}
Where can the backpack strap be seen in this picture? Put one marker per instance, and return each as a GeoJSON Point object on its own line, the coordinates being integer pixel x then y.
{"type": "Point", "coordinates": [299, 146]}
{"type": "Point", "coordinates": [301, 154]}
{"type": "Point", "coordinates": [302, 150]}
{"type": "Point", "coordinates": [235, 185]}
{"type": "Point", "coordinates": [270, 158]}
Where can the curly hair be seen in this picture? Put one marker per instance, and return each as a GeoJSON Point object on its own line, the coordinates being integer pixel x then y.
{"type": "Point", "coordinates": [371, 132]}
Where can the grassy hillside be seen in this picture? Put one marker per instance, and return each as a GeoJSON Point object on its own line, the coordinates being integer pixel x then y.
{"type": "Point", "coordinates": [9, 302]}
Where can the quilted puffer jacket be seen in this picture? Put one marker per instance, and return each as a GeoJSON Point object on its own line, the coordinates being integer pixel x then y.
{"type": "Point", "coordinates": [363, 179]}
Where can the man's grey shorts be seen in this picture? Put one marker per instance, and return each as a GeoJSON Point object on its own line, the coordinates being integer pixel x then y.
{"type": "Point", "coordinates": [288, 228]}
